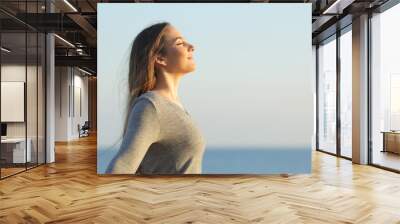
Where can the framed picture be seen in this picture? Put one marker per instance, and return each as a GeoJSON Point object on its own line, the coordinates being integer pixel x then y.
{"type": "Point", "coordinates": [186, 89]}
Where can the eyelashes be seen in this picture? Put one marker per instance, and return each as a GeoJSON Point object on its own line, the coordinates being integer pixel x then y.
{"type": "Point", "coordinates": [184, 44]}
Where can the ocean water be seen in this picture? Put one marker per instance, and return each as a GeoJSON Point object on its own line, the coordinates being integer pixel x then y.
{"type": "Point", "coordinates": [242, 160]}
{"type": "Point", "coordinates": [256, 161]}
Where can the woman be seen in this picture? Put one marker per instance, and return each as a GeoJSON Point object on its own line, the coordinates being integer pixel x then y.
{"type": "Point", "coordinates": [159, 137]}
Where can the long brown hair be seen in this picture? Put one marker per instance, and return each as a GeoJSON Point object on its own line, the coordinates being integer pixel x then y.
{"type": "Point", "coordinates": [147, 45]}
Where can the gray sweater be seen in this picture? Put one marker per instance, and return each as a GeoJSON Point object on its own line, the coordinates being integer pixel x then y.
{"type": "Point", "coordinates": [161, 138]}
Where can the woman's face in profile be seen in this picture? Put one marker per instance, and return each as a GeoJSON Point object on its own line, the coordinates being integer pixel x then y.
{"type": "Point", "coordinates": [178, 56]}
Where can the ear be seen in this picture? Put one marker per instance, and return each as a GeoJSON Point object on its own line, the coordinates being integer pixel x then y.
{"type": "Point", "coordinates": [160, 60]}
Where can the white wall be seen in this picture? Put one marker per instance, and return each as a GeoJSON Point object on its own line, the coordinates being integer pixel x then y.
{"type": "Point", "coordinates": [80, 83]}
{"type": "Point", "coordinates": [61, 103]}
{"type": "Point", "coordinates": [69, 82]}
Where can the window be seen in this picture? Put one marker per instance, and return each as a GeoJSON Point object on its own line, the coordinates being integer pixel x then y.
{"type": "Point", "coordinates": [327, 96]}
{"type": "Point", "coordinates": [385, 88]}
{"type": "Point", "coordinates": [346, 92]}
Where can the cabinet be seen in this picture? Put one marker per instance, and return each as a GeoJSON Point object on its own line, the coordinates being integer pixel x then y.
{"type": "Point", "coordinates": [391, 142]}
{"type": "Point", "coordinates": [13, 150]}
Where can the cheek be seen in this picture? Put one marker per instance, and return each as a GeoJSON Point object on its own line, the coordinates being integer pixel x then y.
{"type": "Point", "coordinates": [177, 53]}
{"type": "Point", "coordinates": [176, 56]}
{"type": "Point", "coordinates": [178, 62]}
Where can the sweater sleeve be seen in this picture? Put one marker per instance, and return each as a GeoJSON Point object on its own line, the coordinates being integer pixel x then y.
{"type": "Point", "coordinates": [143, 129]}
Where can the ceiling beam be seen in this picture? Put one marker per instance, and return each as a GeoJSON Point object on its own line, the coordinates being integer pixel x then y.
{"type": "Point", "coordinates": [83, 23]}
{"type": "Point", "coordinates": [337, 7]}
{"type": "Point", "coordinates": [85, 61]}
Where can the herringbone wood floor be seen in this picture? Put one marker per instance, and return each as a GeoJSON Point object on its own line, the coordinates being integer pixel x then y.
{"type": "Point", "coordinates": [70, 191]}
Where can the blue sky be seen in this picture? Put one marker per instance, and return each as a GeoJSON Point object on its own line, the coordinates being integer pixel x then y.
{"type": "Point", "coordinates": [253, 82]}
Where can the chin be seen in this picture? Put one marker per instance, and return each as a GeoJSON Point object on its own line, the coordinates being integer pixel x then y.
{"type": "Point", "coordinates": [191, 68]}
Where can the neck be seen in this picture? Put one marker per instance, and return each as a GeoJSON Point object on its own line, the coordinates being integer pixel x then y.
{"type": "Point", "coordinates": [168, 84]}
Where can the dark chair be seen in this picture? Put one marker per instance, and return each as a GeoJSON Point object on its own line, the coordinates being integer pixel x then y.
{"type": "Point", "coordinates": [84, 130]}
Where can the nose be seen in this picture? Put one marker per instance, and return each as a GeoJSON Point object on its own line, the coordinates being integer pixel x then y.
{"type": "Point", "coordinates": [191, 47]}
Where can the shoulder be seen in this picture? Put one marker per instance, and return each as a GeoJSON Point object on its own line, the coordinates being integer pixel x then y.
{"type": "Point", "coordinates": [148, 96]}
{"type": "Point", "coordinates": [145, 102]}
